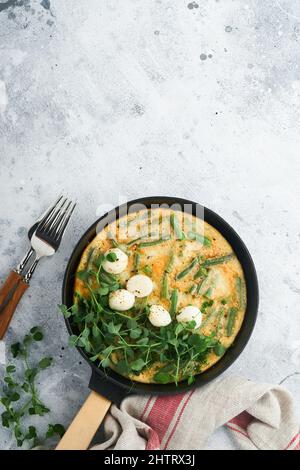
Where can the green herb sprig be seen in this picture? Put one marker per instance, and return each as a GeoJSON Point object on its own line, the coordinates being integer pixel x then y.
{"type": "Point", "coordinates": [128, 342]}
{"type": "Point", "coordinates": [20, 397]}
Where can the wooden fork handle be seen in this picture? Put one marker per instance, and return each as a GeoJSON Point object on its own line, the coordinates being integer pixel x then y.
{"type": "Point", "coordinates": [85, 424]}
{"type": "Point", "coordinates": [10, 294]}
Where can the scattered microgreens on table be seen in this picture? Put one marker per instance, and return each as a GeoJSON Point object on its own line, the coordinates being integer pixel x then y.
{"type": "Point", "coordinates": [20, 396]}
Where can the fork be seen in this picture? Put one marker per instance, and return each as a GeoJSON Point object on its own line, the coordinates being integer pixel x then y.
{"type": "Point", "coordinates": [45, 241]}
{"type": "Point", "coordinates": [21, 266]}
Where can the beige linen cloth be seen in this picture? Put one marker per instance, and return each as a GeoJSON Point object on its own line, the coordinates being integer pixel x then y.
{"type": "Point", "coordinates": [259, 417]}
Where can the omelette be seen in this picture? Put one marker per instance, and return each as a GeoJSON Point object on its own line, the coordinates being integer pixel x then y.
{"type": "Point", "coordinates": [159, 296]}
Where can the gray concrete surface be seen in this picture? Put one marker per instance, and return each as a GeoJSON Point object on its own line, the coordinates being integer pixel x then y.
{"type": "Point", "coordinates": [112, 100]}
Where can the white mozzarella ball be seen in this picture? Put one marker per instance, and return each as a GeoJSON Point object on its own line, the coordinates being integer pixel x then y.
{"type": "Point", "coordinates": [117, 266]}
{"type": "Point", "coordinates": [190, 313]}
{"type": "Point", "coordinates": [159, 316]}
{"type": "Point", "coordinates": [140, 285]}
{"type": "Point", "coordinates": [121, 300]}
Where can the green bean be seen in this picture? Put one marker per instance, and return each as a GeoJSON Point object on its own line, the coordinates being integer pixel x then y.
{"type": "Point", "coordinates": [165, 287]}
{"type": "Point", "coordinates": [137, 258]}
{"type": "Point", "coordinates": [220, 260]}
{"type": "Point", "coordinates": [199, 287]}
{"type": "Point", "coordinates": [174, 301]}
{"type": "Point", "coordinates": [141, 304]}
{"type": "Point", "coordinates": [209, 316]}
{"type": "Point", "coordinates": [147, 270]}
{"type": "Point", "coordinates": [154, 242]}
{"type": "Point", "coordinates": [170, 263]}
{"type": "Point", "coordinates": [220, 318]}
{"type": "Point", "coordinates": [240, 287]}
{"type": "Point", "coordinates": [176, 227]}
{"type": "Point", "coordinates": [231, 320]}
{"type": "Point", "coordinates": [202, 272]}
{"type": "Point", "coordinates": [199, 238]}
{"type": "Point", "coordinates": [188, 269]}
{"type": "Point", "coordinates": [116, 244]}
{"type": "Point", "coordinates": [136, 240]}
{"type": "Point", "coordinates": [208, 293]}
{"type": "Point", "coordinates": [192, 289]}
{"type": "Point", "coordinates": [133, 242]}
{"type": "Point", "coordinates": [89, 261]}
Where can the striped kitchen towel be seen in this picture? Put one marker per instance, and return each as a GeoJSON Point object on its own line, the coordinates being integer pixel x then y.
{"type": "Point", "coordinates": [259, 417]}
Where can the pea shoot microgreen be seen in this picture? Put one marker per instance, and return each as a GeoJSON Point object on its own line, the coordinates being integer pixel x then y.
{"type": "Point", "coordinates": [20, 396]}
{"type": "Point", "coordinates": [112, 257]}
{"type": "Point", "coordinates": [127, 341]}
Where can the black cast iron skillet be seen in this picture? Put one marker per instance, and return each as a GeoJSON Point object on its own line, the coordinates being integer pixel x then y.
{"type": "Point", "coordinates": [113, 386]}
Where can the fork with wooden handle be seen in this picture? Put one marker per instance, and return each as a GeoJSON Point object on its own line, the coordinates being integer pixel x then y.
{"type": "Point", "coordinates": [45, 240]}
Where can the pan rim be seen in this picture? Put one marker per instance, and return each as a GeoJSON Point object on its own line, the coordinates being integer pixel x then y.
{"type": "Point", "coordinates": [248, 324]}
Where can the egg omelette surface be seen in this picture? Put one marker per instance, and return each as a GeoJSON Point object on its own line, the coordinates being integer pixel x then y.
{"type": "Point", "coordinates": [193, 258]}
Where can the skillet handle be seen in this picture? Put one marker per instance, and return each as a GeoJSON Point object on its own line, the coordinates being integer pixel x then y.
{"type": "Point", "coordinates": [85, 424]}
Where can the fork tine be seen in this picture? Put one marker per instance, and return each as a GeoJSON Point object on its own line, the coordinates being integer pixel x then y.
{"type": "Point", "coordinates": [64, 222]}
{"type": "Point", "coordinates": [49, 209]}
{"type": "Point", "coordinates": [55, 216]}
{"type": "Point", "coordinates": [57, 222]}
{"type": "Point", "coordinates": [49, 213]}
{"type": "Point", "coordinates": [45, 228]}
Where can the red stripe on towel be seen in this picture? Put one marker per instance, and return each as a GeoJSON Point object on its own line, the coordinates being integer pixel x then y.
{"type": "Point", "coordinates": [237, 430]}
{"type": "Point", "coordinates": [153, 441]}
{"type": "Point", "coordinates": [146, 408]}
{"type": "Point", "coordinates": [178, 419]}
{"type": "Point", "coordinates": [161, 415]}
{"type": "Point", "coordinates": [242, 420]}
{"type": "Point", "coordinates": [292, 441]}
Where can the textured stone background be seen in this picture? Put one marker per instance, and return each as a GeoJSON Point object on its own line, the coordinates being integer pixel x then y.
{"type": "Point", "coordinates": [111, 100]}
